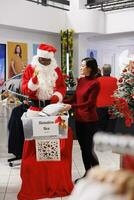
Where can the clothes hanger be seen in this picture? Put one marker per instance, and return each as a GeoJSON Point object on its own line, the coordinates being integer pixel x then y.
{"type": "Point", "coordinates": [12, 97]}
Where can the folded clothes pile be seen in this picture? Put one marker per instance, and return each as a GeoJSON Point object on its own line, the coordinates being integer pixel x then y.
{"type": "Point", "coordinates": [52, 109]}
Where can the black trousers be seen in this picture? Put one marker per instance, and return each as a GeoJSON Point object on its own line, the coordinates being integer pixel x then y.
{"type": "Point", "coordinates": [85, 132]}
{"type": "Point", "coordinates": [105, 123]}
{"type": "Point", "coordinates": [103, 118]}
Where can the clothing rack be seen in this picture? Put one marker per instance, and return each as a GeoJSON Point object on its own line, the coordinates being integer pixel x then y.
{"type": "Point", "coordinates": [13, 92]}
{"type": "Point", "coordinates": [12, 78]}
{"type": "Point", "coordinates": [21, 95]}
{"type": "Point", "coordinates": [122, 144]}
{"type": "Point", "coordinates": [4, 87]}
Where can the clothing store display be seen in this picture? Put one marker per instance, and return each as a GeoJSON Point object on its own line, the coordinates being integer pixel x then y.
{"type": "Point", "coordinates": [16, 134]}
{"type": "Point", "coordinates": [46, 179]}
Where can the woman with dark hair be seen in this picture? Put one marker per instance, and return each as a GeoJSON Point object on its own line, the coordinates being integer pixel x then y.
{"type": "Point", "coordinates": [18, 50]}
{"type": "Point", "coordinates": [16, 64]}
{"type": "Point", "coordinates": [84, 104]}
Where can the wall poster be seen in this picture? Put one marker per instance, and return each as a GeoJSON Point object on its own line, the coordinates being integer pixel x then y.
{"type": "Point", "coordinates": [92, 53]}
{"type": "Point", "coordinates": [17, 58]}
{"type": "Point", "coordinates": [2, 63]}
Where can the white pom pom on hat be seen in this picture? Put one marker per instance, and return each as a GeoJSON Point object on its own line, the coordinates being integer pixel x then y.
{"type": "Point", "coordinates": [46, 51]}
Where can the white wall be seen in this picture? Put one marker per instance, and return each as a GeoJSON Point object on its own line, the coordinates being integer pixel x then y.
{"type": "Point", "coordinates": [120, 21]}
{"type": "Point", "coordinates": [28, 17]}
{"type": "Point", "coordinates": [82, 20]}
{"type": "Point", "coordinates": [82, 4]}
{"type": "Point", "coordinates": [30, 38]}
{"type": "Point", "coordinates": [76, 54]}
{"type": "Point", "coordinates": [25, 14]}
{"type": "Point", "coordinates": [86, 21]}
{"type": "Point", "coordinates": [109, 48]}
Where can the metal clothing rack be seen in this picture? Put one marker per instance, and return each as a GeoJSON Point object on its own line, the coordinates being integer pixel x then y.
{"type": "Point", "coordinates": [4, 86]}
{"type": "Point", "coordinates": [21, 95]}
{"type": "Point", "coordinates": [9, 90]}
{"type": "Point", "coordinates": [12, 78]}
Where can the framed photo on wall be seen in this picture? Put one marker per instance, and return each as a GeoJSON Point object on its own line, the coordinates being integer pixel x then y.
{"type": "Point", "coordinates": [17, 58]}
{"type": "Point", "coordinates": [2, 63]}
{"type": "Point", "coordinates": [92, 53]}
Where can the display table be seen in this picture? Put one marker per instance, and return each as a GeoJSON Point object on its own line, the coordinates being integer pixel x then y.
{"type": "Point", "coordinates": [46, 179]}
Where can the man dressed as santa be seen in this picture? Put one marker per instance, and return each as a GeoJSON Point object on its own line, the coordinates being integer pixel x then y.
{"type": "Point", "coordinates": [44, 84]}
{"type": "Point", "coordinates": [42, 80]}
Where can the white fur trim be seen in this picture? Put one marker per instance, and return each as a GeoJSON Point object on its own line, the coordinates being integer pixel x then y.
{"type": "Point", "coordinates": [32, 86]}
{"type": "Point", "coordinates": [58, 94]}
{"type": "Point", "coordinates": [45, 54]}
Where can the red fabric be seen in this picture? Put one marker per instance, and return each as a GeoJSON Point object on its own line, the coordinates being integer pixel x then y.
{"type": "Point", "coordinates": [46, 179]}
{"type": "Point", "coordinates": [128, 162]}
{"type": "Point", "coordinates": [108, 85]}
{"type": "Point", "coordinates": [28, 74]}
{"type": "Point", "coordinates": [54, 99]}
{"type": "Point", "coordinates": [47, 47]}
{"type": "Point", "coordinates": [35, 79]}
{"type": "Point", "coordinates": [84, 100]}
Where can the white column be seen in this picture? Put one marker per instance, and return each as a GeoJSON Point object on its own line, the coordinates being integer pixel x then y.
{"type": "Point", "coordinates": [67, 62]}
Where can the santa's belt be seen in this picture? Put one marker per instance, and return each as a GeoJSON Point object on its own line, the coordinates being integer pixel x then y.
{"type": "Point", "coordinates": [39, 103]}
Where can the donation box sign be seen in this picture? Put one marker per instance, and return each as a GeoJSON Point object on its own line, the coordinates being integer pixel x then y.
{"type": "Point", "coordinates": [45, 127]}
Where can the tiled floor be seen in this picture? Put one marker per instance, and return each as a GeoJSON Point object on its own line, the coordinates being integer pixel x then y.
{"type": "Point", "coordinates": [10, 177]}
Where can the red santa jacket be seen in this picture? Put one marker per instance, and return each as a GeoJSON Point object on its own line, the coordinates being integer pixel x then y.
{"type": "Point", "coordinates": [59, 89]}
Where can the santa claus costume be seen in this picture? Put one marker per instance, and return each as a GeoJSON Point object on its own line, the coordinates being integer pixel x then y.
{"type": "Point", "coordinates": [44, 84]}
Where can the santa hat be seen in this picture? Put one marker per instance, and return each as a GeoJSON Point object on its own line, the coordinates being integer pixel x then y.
{"type": "Point", "coordinates": [46, 51]}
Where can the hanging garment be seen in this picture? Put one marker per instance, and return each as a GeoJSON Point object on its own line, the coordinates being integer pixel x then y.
{"type": "Point", "coordinates": [16, 134]}
{"type": "Point", "coordinates": [46, 179]}
{"type": "Point", "coordinates": [128, 162]}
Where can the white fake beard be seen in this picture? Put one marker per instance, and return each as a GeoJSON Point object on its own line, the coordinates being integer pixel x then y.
{"type": "Point", "coordinates": [47, 78]}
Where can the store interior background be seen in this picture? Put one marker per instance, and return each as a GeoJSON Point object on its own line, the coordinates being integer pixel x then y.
{"type": "Point", "coordinates": [109, 33]}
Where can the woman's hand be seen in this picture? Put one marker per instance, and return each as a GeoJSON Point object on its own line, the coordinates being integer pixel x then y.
{"type": "Point", "coordinates": [66, 107]}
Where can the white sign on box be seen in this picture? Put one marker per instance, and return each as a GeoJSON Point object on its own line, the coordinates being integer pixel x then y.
{"type": "Point", "coordinates": [45, 127]}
